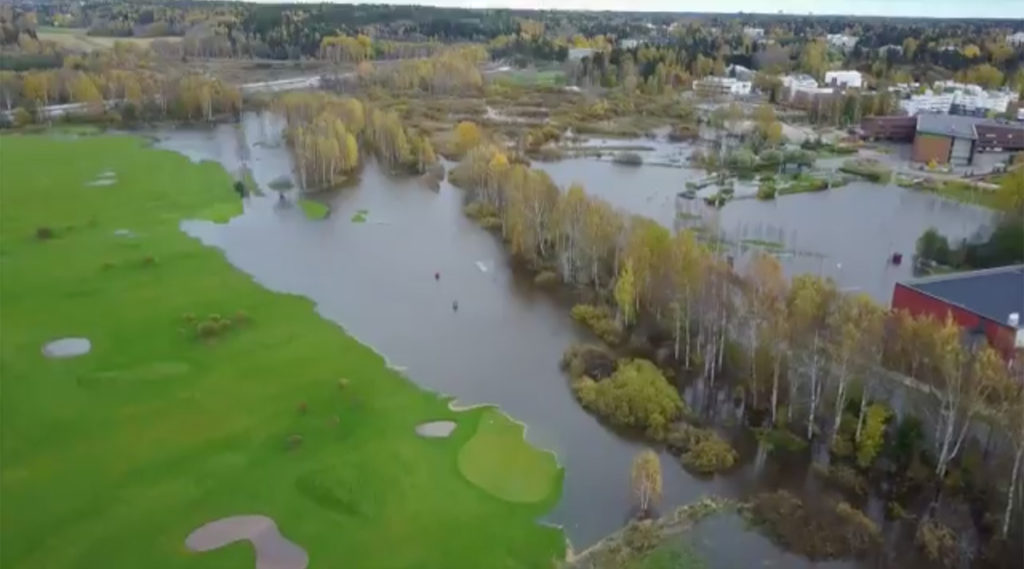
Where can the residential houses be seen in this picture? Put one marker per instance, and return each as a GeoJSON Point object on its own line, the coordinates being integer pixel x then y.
{"type": "Point", "coordinates": [842, 42]}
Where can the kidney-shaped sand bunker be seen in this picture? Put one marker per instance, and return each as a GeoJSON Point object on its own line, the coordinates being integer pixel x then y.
{"type": "Point", "coordinates": [273, 550]}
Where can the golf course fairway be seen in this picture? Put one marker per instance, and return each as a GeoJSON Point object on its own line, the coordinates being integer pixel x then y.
{"type": "Point", "coordinates": [204, 396]}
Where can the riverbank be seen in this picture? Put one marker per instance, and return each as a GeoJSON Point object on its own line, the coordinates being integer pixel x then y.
{"type": "Point", "coordinates": [205, 395]}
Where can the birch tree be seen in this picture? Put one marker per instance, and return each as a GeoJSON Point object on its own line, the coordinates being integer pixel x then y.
{"type": "Point", "coordinates": [811, 302]}
{"type": "Point", "coordinates": [645, 480]}
{"type": "Point", "coordinates": [963, 380]}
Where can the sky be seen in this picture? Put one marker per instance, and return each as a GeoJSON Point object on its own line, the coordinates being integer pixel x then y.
{"type": "Point", "coordinates": [911, 8]}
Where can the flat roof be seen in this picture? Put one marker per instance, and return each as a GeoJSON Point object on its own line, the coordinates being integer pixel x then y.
{"type": "Point", "coordinates": [990, 293]}
{"type": "Point", "coordinates": [948, 125]}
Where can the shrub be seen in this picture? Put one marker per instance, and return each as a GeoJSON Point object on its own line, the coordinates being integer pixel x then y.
{"type": "Point", "coordinates": [843, 477]}
{"type": "Point", "coordinates": [766, 191]}
{"type": "Point", "coordinates": [710, 455]}
{"type": "Point", "coordinates": [44, 233]}
{"type": "Point", "coordinates": [22, 117]}
{"type": "Point", "coordinates": [293, 442]}
{"type": "Point", "coordinates": [107, 265]}
{"type": "Point", "coordinates": [628, 159]}
{"type": "Point", "coordinates": [600, 321]}
{"type": "Point", "coordinates": [149, 261]}
{"type": "Point", "coordinates": [189, 317]}
{"type": "Point", "coordinates": [872, 435]}
{"type": "Point", "coordinates": [871, 169]}
{"type": "Point", "coordinates": [937, 541]}
{"type": "Point", "coordinates": [343, 382]}
{"type": "Point", "coordinates": [641, 536]}
{"type": "Point", "coordinates": [303, 407]}
{"type": "Point", "coordinates": [207, 329]}
{"type": "Point", "coordinates": [637, 396]}
{"type": "Point", "coordinates": [546, 278]}
{"type": "Point", "coordinates": [588, 360]}
{"type": "Point", "coordinates": [479, 210]}
{"type": "Point", "coordinates": [490, 223]}
{"type": "Point", "coordinates": [242, 317]}
{"type": "Point", "coordinates": [701, 450]}
{"type": "Point", "coordinates": [825, 532]}
{"type": "Point", "coordinates": [861, 532]}
{"type": "Point", "coordinates": [683, 132]}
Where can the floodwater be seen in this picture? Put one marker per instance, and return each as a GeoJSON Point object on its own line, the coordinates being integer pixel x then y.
{"type": "Point", "coordinates": [503, 345]}
{"type": "Point", "coordinates": [847, 233]}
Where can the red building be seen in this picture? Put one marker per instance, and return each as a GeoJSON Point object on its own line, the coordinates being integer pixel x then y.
{"type": "Point", "coordinates": [989, 302]}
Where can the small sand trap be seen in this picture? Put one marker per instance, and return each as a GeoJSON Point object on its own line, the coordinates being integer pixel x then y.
{"type": "Point", "coordinates": [273, 550]}
{"type": "Point", "coordinates": [67, 348]}
{"type": "Point", "coordinates": [435, 429]}
{"type": "Point", "coordinates": [107, 178]}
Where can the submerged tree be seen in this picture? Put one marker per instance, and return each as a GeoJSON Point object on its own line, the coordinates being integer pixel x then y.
{"type": "Point", "coordinates": [645, 479]}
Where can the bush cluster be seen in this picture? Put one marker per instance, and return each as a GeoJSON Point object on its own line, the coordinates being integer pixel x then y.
{"type": "Point", "coordinates": [600, 321]}
{"type": "Point", "coordinates": [701, 450]}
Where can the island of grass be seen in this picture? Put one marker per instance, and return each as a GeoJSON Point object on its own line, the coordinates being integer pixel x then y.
{"type": "Point", "coordinates": [111, 459]}
{"type": "Point", "coordinates": [314, 209]}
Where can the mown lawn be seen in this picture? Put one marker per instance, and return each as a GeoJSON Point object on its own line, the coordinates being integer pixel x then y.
{"type": "Point", "coordinates": [110, 459]}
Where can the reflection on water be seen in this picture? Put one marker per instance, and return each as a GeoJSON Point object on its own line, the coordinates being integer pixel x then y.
{"type": "Point", "coordinates": [376, 279]}
{"type": "Point", "coordinates": [847, 233]}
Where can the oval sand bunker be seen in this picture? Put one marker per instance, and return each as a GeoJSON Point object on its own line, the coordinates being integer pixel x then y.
{"type": "Point", "coordinates": [435, 429]}
{"type": "Point", "coordinates": [67, 348]}
{"type": "Point", "coordinates": [273, 550]}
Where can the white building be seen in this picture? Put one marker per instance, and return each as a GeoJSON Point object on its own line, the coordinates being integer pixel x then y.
{"type": "Point", "coordinates": [740, 72]}
{"type": "Point", "coordinates": [1016, 39]}
{"type": "Point", "coordinates": [885, 49]}
{"type": "Point", "coordinates": [841, 42]}
{"type": "Point", "coordinates": [962, 99]}
{"type": "Point", "coordinates": [799, 83]}
{"type": "Point", "coordinates": [629, 43]}
{"type": "Point", "coordinates": [721, 86]}
{"type": "Point", "coordinates": [846, 79]}
{"type": "Point", "coordinates": [753, 33]}
{"type": "Point", "coordinates": [578, 53]}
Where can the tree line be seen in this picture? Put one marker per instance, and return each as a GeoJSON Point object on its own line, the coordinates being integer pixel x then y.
{"type": "Point", "coordinates": [326, 134]}
{"type": "Point", "coordinates": [802, 350]}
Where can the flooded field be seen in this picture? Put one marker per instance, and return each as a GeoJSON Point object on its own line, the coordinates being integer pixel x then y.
{"type": "Point", "coordinates": [376, 278]}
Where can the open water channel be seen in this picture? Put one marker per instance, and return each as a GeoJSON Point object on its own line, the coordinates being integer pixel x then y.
{"type": "Point", "coordinates": [503, 346]}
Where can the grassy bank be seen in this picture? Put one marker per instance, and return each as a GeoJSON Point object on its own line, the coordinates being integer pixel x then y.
{"type": "Point", "coordinates": [112, 458]}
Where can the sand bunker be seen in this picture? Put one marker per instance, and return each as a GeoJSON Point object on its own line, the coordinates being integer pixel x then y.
{"type": "Point", "coordinates": [67, 348]}
{"type": "Point", "coordinates": [273, 550]}
{"type": "Point", "coordinates": [435, 429]}
{"type": "Point", "coordinates": [107, 178]}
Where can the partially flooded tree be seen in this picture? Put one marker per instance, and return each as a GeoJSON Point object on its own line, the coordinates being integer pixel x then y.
{"type": "Point", "coordinates": [963, 380]}
{"type": "Point", "coordinates": [645, 480]}
{"type": "Point", "coordinates": [811, 302]}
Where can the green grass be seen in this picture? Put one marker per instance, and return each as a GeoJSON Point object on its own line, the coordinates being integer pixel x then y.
{"type": "Point", "coordinates": [498, 460]}
{"type": "Point", "coordinates": [111, 459]}
{"type": "Point", "coordinates": [669, 557]}
{"type": "Point", "coordinates": [360, 216]}
{"type": "Point", "coordinates": [314, 209]}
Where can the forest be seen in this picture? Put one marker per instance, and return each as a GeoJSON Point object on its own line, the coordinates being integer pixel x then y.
{"type": "Point", "coordinates": [807, 362]}
{"type": "Point", "coordinates": [888, 49]}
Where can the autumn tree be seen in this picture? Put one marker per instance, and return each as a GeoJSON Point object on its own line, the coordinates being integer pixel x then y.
{"type": "Point", "coordinates": [625, 293]}
{"type": "Point", "coordinates": [467, 135]}
{"type": "Point", "coordinates": [810, 306]}
{"type": "Point", "coordinates": [645, 480]}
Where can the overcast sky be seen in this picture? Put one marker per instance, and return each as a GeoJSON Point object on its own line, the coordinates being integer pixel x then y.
{"type": "Point", "coordinates": [916, 8]}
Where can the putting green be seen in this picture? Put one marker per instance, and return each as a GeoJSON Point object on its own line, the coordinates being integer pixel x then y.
{"type": "Point", "coordinates": [175, 418]}
{"type": "Point", "coordinates": [500, 461]}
